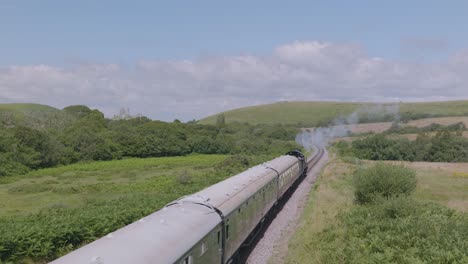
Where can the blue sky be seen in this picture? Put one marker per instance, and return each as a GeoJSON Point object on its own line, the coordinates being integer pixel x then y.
{"type": "Point", "coordinates": [58, 32]}
{"type": "Point", "coordinates": [189, 59]}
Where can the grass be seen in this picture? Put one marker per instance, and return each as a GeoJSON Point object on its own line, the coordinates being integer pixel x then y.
{"type": "Point", "coordinates": [16, 108]}
{"type": "Point", "coordinates": [314, 113]}
{"type": "Point", "coordinates": [442, 183]}
{"type": "Point", "coordinates": [287, 113]}
{"type": "Point", "coordinates": [331, 195]}
{"type": "Point", "coordinates": [49, 212]}
{"type": "Point", "coordinates": [71, 186]}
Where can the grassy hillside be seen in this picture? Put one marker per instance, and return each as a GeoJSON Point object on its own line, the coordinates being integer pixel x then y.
{"type": "Point", "coordinates": [315, 113]}
{"type": "Point", "coordinates": [287, 113]}
{"type": "Point", "coordinates": [19, 108]}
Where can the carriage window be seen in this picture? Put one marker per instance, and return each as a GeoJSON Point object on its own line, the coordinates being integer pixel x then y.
{"type": "Point", "coordinates": [203, 248]}
{"type": "Point", "coordinates": [187, 260]}
{"type": "Point", "coordinates": [227, 232]}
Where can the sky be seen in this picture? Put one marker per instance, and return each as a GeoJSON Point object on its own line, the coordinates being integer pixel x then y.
{"type": "Point", "coordinates": [189, 59]}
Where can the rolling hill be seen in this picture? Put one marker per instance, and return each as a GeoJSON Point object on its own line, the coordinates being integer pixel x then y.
{"type": "Point", "coordinates": [315, 113]}
{"type": "Point", "coordinates": [21, 108]}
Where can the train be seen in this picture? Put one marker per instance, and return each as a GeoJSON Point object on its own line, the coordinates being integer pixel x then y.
{"type": "Point", "coordinates": [210, 226]}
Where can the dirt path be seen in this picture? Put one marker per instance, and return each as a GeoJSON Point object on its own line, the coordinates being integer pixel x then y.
{"type": "Point", "coordinates": [274, 244]}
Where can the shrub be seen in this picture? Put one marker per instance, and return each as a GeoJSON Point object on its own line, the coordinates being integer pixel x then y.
{"type": "Point", "coordinates": [184, 177]}
{"type": "Point", "coordinates": [383, 180]}
{"type": "Point", "coordinates": [401, 230]}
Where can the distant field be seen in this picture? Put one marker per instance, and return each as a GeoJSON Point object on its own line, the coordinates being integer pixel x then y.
{"type": "Point", "coordinates": [393, 136]}
{"type": "Point", "coordinates": [314, 113]}
{"type": "Point", "coordinates": [382, 126]}
{"type": "Point", "coordinates": [440, 182]}
{"type": "Point", "coordinates": [443, 183]}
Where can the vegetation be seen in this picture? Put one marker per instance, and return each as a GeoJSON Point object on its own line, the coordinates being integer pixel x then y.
{"type": "Point", "coordinates": [70, 176]}
{"type": "Point", "coordinates": [291, 113]}
{"type": "Point", "coordinates": [445, 184]}
{"type": "Point", "coordinates": [444, 146]}
{"type": "Point", "coordinates": [312, 114]}
{"type": "Point", "coordinates": [49, 212]}
{"type": "Point", "coordinates": [23, 108]}
{"type": "Point", "coordinates": [398, 129]}
{"type": "Point", "coordinates": [383, 180]}
{"type": "Point", "coordinates": [402, 231]}
{"type": "Point", "coordinates": [78, 133]}
{"type": "Point", "coordinates": [397, 229]}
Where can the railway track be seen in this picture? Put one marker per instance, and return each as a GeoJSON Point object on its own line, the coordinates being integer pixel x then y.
{"type": "Point", "coordinates": [315, 159]}
{"type": "Point", "coordinates": [279, 223]}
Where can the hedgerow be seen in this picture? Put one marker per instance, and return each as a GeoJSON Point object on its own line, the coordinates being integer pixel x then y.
{"type": "Point", "coordinates": [444, 146]}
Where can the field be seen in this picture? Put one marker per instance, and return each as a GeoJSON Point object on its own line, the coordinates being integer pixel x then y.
{"type": "Point", "coordinates": [48, 212]}
{"type": "Point", "coordinates": [316, 113]}
{"type": "Point", "coordinates": [394, 136]}
{"type": "Point", "coordinates": [442, 183]}
{"type": "Point", "coordinates": [287, 113]}
{"type": "Point", "coordinates": [383, 126]}
{"type": "Point", "coordinates": [70, 186]}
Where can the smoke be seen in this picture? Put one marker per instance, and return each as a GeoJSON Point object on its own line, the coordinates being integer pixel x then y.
{"type": "Point", "coordinates": [320, 137]}
{"type": "Point", "coordinates": [343, 126]}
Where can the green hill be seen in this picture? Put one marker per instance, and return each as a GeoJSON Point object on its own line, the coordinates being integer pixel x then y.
{"type": "Point", "coordinates": [319, 113]}
{"type": "Point", "coordinates": [21, 108]}
{"type": "Point", "coordinates": [30, 115]}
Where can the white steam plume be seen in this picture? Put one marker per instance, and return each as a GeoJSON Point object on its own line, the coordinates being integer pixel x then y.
{"type": "Point", "coordinates": [341, 127]}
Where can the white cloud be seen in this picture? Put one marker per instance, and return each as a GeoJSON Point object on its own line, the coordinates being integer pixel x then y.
{"type": "Point", "coordinates": [193, 89]}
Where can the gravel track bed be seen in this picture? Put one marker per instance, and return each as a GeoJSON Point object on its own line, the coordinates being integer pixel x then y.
{"type": "Point", "coordinates": [274, 243]}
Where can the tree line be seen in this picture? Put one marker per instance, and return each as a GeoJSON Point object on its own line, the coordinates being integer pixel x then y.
{"type": "Point", "coordinates": [78, 133]}
{"type": "Point", "coordinates": [444, 146]}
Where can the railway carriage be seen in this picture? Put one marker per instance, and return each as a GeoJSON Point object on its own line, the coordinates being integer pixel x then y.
{"type": "Point", "coordinates": [209, 226]}
{"type": "Point", "coordinates": [288, 169]}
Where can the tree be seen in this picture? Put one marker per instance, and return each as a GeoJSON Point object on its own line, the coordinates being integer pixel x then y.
{"type": "Point", "coordinates": [77, 110]}
{"type": "Point", "coordinates": [221, 120]}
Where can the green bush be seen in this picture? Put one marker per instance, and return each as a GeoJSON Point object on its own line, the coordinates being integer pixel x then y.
{"type": "Point", "coordinates": [383, 180]}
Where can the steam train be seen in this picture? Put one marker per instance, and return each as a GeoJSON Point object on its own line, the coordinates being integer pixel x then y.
{"type": "Point", "coordinates": [209, 226]}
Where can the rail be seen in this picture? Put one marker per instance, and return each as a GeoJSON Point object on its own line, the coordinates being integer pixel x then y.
{"type": "Point", "coordinates": [315, 159]}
